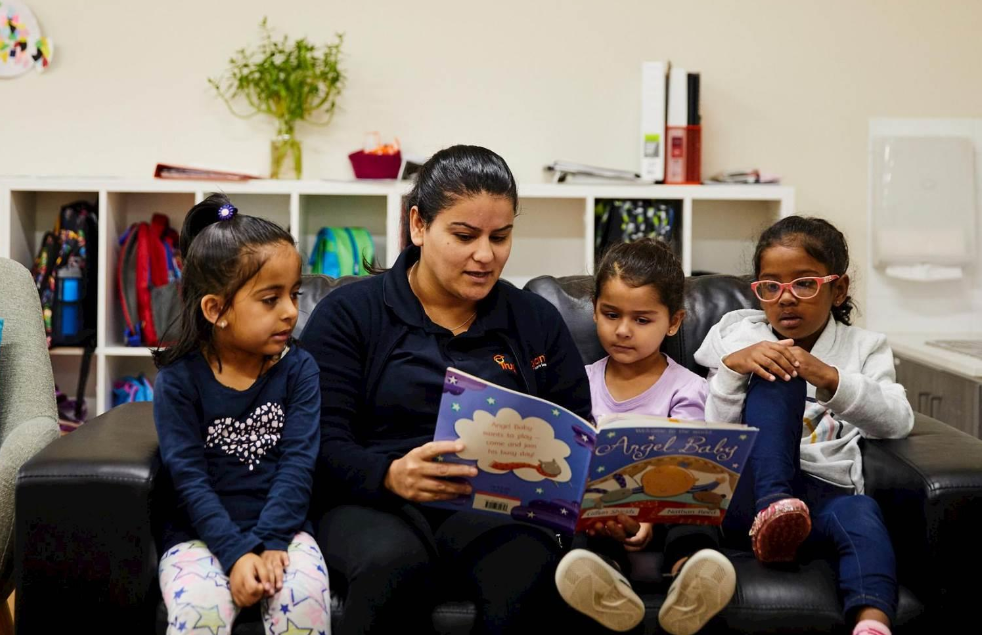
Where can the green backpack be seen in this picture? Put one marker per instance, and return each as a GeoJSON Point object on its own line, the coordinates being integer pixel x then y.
{"type": "Point", "coordinates": [342, 251]}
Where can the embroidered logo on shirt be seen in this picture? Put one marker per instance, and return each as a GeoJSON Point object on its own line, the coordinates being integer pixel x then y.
{"type": "Point", "coordinates": [505, 364]}
{"type": "Point", "coordinates": [539, 362]}
{"type": "Point", "coordinates": [249, 440]}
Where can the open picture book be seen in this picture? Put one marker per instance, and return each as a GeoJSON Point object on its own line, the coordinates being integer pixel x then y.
{"type": "Point", "coordinates": [540, 463]}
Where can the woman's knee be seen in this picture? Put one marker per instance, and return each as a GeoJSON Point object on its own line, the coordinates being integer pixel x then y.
{"type": "Point", "coordinates": [361, 540]}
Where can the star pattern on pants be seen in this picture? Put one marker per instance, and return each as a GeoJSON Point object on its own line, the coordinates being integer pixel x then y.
{"type": "Point", "coordinates": [209, 617]}
{"type": "Point", "coordinates": [293, 629]}
{"type": "Point", "coordinates": [297, 598]}
{"type": "Point", "coordinates": [193, 569]}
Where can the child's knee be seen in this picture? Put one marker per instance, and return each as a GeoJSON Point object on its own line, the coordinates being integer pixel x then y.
{"type": "Point", "coordinates": [860, 506]}
{"type": "Point", "coordinates": [307, 583]}
{"type": "Point", "coordinates": [795, 389]}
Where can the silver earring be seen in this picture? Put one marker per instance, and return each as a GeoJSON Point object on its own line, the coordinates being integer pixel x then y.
{"type": "Point", "coordinates": [222, 324]}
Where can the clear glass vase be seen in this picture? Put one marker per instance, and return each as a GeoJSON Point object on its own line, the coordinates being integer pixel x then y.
{"type": "Point", "coordinates": [286, 157]}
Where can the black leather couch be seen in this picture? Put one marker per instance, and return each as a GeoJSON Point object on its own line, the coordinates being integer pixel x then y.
{"type": "Point", "coordinates": [89, 507]}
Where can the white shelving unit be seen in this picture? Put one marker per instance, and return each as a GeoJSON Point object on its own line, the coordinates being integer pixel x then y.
{"type": "Point", "coordinates": [554, 233]}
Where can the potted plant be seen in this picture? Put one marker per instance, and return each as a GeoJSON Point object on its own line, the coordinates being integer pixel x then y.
{"type": "Point", "coordinates": [289, 81]}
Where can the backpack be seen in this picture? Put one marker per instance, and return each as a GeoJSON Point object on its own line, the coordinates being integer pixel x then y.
{"type": "Point", "coordinates": [131, 389]}
{"type": "Point", "coordinates": [625, 221]}
{"type": "Point", "coordinates": [66, 276]}
{"type": "Point", "coordinates": [342, 251]}
{"type": "Point", "coordinates": [148, 274]}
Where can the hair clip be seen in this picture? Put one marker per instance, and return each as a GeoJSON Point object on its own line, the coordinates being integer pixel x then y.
{"type": "Point", "coordinates": [227, 211]}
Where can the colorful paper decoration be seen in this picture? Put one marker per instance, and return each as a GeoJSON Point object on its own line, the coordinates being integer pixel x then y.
{"type": "Point", "coordinates": [21, 45]}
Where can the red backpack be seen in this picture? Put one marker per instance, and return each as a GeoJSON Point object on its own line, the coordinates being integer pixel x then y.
{"type": "Point", "coordinates": [148, 274]}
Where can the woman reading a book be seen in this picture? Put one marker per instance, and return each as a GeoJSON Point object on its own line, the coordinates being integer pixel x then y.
{"type": "Point", "coordinates": [383, 346]}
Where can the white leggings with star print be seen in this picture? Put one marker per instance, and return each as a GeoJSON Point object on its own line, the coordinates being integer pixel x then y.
{"type": "Point", "coordinates": [196, 592]}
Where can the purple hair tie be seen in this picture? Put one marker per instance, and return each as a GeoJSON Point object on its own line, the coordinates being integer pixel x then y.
{"type": "Point", "coordinates": [227, 211]}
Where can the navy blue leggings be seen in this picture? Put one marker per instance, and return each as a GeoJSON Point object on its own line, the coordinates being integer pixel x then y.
{"type": "Point", "coordinates": [847, 529]}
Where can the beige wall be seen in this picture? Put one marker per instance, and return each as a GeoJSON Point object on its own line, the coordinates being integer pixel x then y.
{"type": "Point", "coordinates": [787, 86]}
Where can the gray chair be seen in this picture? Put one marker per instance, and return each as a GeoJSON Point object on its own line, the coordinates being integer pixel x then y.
{"type": "Point", "coordinates": [28, 415]}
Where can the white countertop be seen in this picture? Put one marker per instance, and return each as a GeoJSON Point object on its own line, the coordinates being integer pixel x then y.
{"type": "Point", "coordinates": [914, 346]}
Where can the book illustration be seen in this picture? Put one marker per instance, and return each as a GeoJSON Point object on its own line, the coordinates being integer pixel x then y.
{"type": "Point", "coordinates": [688, 479]}
{"type": "Point", "coordinates": [504, 441]}
{"type": "Point", "coordinates": [531, 455]}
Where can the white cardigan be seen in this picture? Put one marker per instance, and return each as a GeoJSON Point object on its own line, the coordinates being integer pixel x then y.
{"type": "Point", "coordinates": [868, 402]}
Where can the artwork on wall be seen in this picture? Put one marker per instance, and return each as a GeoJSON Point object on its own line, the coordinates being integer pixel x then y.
{"type": "Point", "coordinates": [21, 45]}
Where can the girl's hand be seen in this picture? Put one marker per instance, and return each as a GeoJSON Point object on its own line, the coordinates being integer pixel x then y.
{"type": "Point", "coordinates": [815, 371]}
{"type": "Point", "coordinates": [769, 360]}
{"type": "Point", "coordinates": [419, 477]}
{"type": "Point", "coordinates": [248, 580]}
{"type": "Point", "coordinates": [634, 535]}
{"type": "Point", "coordinates": [276, 562]}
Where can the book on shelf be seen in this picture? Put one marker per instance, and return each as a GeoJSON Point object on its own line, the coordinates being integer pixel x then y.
{"type": "Point", "coordinates": [168, 171]}
{"type": "Point", "coordinates": [568, 172]}
{"type": "Point", "coordinates": [540, 463]}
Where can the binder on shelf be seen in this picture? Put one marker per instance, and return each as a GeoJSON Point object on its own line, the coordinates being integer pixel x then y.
{"type": "Point", "coordinates": [692, 96]}
{"type": "Point", "coordinates": [678, 97]}
{"type": "Point", "coordinates": [683, 161]}
{"type": "Point", "coordinates": [653, 98]}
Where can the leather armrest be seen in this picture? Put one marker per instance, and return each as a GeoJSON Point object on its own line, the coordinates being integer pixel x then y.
{"type": "Point", "coordinates": [84, 527]}
{"type": "Point", "coordinates": [929, 487]}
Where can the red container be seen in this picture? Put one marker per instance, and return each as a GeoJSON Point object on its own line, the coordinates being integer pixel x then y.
{"type": "Point", "coordinates": [375, 166]}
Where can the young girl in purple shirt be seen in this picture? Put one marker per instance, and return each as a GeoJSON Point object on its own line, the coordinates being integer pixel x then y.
{"type": "Point", "coordinates": [638, 301]}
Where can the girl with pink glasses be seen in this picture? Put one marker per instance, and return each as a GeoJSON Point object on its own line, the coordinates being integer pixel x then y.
{"type": "Point", "coordinates": [814, 385]}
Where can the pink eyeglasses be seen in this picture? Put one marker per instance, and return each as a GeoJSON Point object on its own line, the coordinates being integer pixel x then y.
{"type": "Point", "coordinates": [802, 288]}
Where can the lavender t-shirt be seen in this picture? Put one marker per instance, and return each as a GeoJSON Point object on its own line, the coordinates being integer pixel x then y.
{"type": "Point", "coordinates": [678, 393]}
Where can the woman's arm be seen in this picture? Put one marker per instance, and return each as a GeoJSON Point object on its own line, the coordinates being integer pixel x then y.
{"type": "Point", "coordinates": [336, 340]}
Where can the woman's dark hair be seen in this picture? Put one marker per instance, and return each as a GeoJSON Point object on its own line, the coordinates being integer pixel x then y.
{"type": "Point", "coordinates": [220, 256]}
{"type": "Point", "coordinates": [454, 173]}
{"type": "Point", "coordinates": [820, 240]}
{"type": "Point", "coordinates": [642, 263]}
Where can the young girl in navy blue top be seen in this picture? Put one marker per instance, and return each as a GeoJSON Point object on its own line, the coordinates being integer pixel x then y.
{"type": "Point", "coordinates": [237, 409]}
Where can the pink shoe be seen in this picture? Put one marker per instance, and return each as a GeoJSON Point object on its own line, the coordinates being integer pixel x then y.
{"type": "Point", "coordinates": [871, 627]}
{"type": "Point", "coordinates": [780, 529]}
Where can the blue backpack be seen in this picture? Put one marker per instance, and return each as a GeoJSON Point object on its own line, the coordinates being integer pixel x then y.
{"type": "Point", "coordinates": [132, 389]}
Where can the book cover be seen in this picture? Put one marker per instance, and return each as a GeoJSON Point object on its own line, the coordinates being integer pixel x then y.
{"type": "Point", "coordinates": [531, 455]}
{"type": "Point", "coordinates": [662, 470]}
{"type": "Point", "coordinates": [540, 463]}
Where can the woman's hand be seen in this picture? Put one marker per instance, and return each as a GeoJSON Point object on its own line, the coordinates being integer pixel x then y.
{"type": "Point", "coordinates": [815, 371]}
{"type": "Point", "coordinates": [635, 536]}
{"type": "Point", "coordinates": [769, 360]}
{"type": "Point", "coordinates": [248, 580]}
{"type": "Point", "coordinates": [420, 476]}
{"type": "Point", "coordinates": [276, 562]}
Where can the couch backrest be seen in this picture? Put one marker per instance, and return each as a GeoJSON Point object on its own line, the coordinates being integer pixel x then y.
{"type": "Point", "coordinates": [313, 289]}
{"type": "Point", "coordinates": [707, 299]}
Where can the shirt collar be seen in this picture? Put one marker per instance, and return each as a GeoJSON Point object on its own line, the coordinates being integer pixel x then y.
{"type": "Point", "coordinates": [492, 312]}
